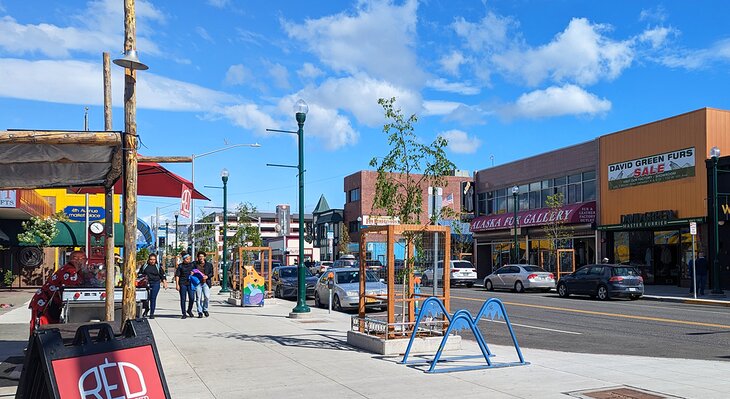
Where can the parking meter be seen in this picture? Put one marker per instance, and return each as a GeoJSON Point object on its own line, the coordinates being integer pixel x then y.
{"type": "Point", "coordinates": [416, 291]}
{"type": "Point", "coordinates": [330, 286]}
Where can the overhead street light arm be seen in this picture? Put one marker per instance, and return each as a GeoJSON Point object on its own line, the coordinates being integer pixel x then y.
{"type": "Point", "coordinates": [282, 166]}
{"type": "Point", "coordinates": [282, 131]}
{"type": "Point", "coordinates": [228, 147]}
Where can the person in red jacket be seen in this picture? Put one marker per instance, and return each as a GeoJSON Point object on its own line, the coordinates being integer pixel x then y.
{"type": "Point", "coordinates": [46, 304]}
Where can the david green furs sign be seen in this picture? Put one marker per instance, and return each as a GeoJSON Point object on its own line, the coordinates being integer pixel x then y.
{"type": "Point", "coordinates": [652, 169]}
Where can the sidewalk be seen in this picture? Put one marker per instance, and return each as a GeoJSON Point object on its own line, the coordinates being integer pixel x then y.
{"type": "Point", "coordinates": [259, 352]}
{"type": "Point", "coordinates": [672, 293]}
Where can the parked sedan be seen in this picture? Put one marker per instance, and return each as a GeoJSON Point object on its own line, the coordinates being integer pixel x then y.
{"type": "Point", "coordinates": [520, 278]}
{"type": "Point", "coordinates": [285, 279]}
{"type": "Point", "coordinates": [462, 273]}
{"type": "Point", "coordinates": [603, 282]}
{"type": "Point", "coordinates": [346, 290]}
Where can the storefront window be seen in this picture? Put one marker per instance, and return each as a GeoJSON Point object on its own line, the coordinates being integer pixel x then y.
{"type": "Point", "coordinates": [574, 193]}
{"type": "Point", "coordinates": [524, 201]}
{"type": "Point", "coordinates": [501, 205]}
{"type": "Point", "coordinates": [482, 204]}
{"type": "Point", "coordinates": [535, 202]}
{"type": "Point", "coordinates": [589, 190]}
{"type": "Point", "coordinates": [545, 194]}
{"type": "Point", "coordinates": [621, 247]}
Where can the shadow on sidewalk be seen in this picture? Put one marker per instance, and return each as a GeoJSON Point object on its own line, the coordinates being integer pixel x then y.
{"type": "Point", "coordinates": [325, 341]}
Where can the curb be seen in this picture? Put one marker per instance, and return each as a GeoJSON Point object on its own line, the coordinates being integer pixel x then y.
{"type": "Point", "coordinates": [709, 302]}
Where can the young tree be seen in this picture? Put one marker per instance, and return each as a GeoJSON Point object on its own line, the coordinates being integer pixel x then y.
{"type": "Point", "coordinates": [40, 231]}
{"type": "Point", "coordinates": [344, 240]}
{"type": "Point", "coordinates": [556, 229]}
{"type": "Point", "coordinates": [247, 233]}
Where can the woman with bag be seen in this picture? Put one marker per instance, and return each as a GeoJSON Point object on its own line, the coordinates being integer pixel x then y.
{"type": "Point", "coordinates": [155, 275]}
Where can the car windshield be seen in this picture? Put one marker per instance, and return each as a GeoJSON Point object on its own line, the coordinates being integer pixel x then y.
{"type": "Point", "coordinates": [354, 277]}
{"type": "Point", "coordinates": [533, 269]}
{"type": "Point", "coordinates": [625, 271]}
{"type": "Point", "coordinates": [289, 272]}
{"type": "Point", "coordinates": [461, 264]}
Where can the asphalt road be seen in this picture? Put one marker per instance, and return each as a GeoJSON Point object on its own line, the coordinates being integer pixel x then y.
{"type": "Point", "coordinates": [584, 325]}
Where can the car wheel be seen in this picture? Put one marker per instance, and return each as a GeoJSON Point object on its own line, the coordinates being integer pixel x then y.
{"type": "Point", "coordinates": [519, 287]}
{"type": "Point", "coordinates": [469, 285]}
{"type": "Point", "coordinates": [634, 297]}
{"type": "Point", "coordinates": [562, 290]}
{"type": "Point", "coordinates": [277, 292]}
{"type": "Point", "coordinates": [317, 302]}
{"type": "Point", "coordinates": [488, 285]}
{"type": "Point", "coordinates": [424, 281]}
{"type": "Point", "coordinates": [602, 292]}
{"type": "Point", "coordinates": [336, 304]}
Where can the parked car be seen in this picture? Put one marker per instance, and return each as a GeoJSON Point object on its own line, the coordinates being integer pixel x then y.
{"type": "Point", "coordinates": [603, 282]}
{"type": "Point", "coordinates": [462, 273]}
{"type": "Point", "coordinates": [374, 265]}
{"type": "Point", "coordinates": [320, 267]}
{"type": "Point", "coordinates": [520, 278]}
{"type": "Point", "coordinates": [284, 282]}
{"type": "Point", "coordinates": [346, 290]}
{"type": "Point", "coordinates": [345, 261]}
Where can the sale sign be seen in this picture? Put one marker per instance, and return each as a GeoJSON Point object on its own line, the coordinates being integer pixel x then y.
{"type": "Point", "coordinates": [652, 169]}
{"type": "Point", "coordinates": [123, 374]}
{"type": "Point", "coordinates": [185, 200]}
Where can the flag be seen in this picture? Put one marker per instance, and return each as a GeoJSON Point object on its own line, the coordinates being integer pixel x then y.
{"type": "Point", "coordinates": [448, 201]}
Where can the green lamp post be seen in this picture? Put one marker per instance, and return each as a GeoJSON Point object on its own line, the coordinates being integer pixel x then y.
{"type": "Point", "coordinates": [224, 177]}
{"type": "Point", "coordinates": [716, 289]}
{"type": "Point", "coordinates": [301, 108]}
{"type": "Point", "coordinates": [515, 193]}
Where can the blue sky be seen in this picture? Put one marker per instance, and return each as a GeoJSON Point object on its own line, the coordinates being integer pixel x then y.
{"type": "Point", "coordinates": [504, 78]}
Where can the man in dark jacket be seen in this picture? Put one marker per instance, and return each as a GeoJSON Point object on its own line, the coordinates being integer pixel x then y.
{"type": "Point", "coordinates": [701, 272]}
{"type": "Point", "coordinates": [207, 269]}
{"type": "Point", "coordinates": [182, 284]}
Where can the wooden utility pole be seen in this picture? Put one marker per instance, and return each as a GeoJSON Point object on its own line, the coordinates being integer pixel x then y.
{"type": "Point", "coordinates": [130, 170]}
{"type": "Point", "coordinates": [108, 200]}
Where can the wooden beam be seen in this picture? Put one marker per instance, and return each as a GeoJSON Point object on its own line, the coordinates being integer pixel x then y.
{"type": "Point", "coordinates": [163, 159]}
{"type": "Point", "coordinates": [108, 139]}
{"type": "Point", "coordinates": [109, 199]}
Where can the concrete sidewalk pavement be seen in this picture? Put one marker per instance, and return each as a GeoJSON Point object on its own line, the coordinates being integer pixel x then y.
{"type": "Point", "coordinates": [259, 352]}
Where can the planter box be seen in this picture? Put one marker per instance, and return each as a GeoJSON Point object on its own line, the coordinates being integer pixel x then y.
{"type": "Point", "coordinates": [398, 346]}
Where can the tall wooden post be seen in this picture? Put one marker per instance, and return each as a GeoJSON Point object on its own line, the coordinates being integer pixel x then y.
{"type": "Point", "coordinates": [130, 170]}
{"type": "Point", "coordinates": [108, 200]}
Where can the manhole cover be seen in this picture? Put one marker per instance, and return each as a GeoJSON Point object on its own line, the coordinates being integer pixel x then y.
{"type": "Point", "coordinates": [622, 392]}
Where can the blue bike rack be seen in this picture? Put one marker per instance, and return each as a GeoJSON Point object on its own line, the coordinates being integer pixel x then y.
{"type": "Point", "coordinates": [461, 320]}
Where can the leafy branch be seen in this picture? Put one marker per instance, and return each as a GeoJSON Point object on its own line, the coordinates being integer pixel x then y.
{"type": "Point", "coordinates": [40, 231]}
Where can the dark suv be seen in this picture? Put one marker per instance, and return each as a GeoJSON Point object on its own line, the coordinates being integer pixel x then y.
{"type": "Point", "coordinates": [603, 282]}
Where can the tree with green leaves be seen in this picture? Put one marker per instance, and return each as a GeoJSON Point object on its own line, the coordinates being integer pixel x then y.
{"type": "Point", "coordinates": [247, 232]}
{"type": "Point", "coordinates": [41, 231]}
{"type": "Point", "coordinates": [344, 243]}
{"type": "Point", "coordinates": [408, 167]}
{"type": "Point", "coordinates": [556, 230]}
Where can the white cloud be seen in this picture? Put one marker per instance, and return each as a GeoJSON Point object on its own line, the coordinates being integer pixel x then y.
{"type": "Point", "coordinates": [580, 54]}
{"type": "Point", "coordinates": [656, 36]}
{"type": "Point", "coordinates": [468, 115]}
{"type": "Point", "coordinates": [93, 34]}
{"type": "Point", "coordinates": [249, 116]}
{"type": "Point", "coordinates": [359, 96]}
{"type": "Point", "coordinates": [238, 75]}
{"type": "Point", "coordinates": [698, 59]}
{"type": "Point", "coordinates": [657, 14]}
{"type": "Point", "coordinates": [378, 39]}
{"type": "Point", "coordinates": [491, 33]}
{"type": "Point", "coordinates": [436, 107]}
{"type": "Point", "coordinates": [309, 71]}
{"type": "Point", "coordinates": [82, 83]}
{"type": "Point", "coordinates": [279, 74]}
{"type": "Point", "coordinates": [219, 3]}
{"type": "Point", "coordinates": [460, 142]}
{"type": "Point", "coordinates": [557, 101]}
{"type": "Point", "coordinates": [204, 34]}
{"type": "Point", "coordinates": [452, 87]}
{"type": "Point", "coordinates": [451, 62]}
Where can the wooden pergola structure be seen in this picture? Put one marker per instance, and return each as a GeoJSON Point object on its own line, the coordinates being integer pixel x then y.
{"type": "Point", "coordinates": [392, 233]}
{"type": "Point", "coordinates": [264, 257]}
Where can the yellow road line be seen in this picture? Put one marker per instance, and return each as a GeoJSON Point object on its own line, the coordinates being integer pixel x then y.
{"type": "Point", "coordinates": [595, 313]}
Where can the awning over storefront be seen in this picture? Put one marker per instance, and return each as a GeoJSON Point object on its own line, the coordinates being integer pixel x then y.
{"type": "Point", "coordinates": [70, 234]}
{"type": "Point", "coordinates": [153, 180]}
{"type": "Point", "coordinates": [50, 159]}
{"type": "Point", "coordinates": [652, 225]}
{"type": "Point", "coordinates": [584, 212]}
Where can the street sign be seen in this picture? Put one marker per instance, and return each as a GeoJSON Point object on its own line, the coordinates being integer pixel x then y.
{"type": "Point", "coordinates": [78, 213]}
{"type": "Point", "coordinates": [693, 228]}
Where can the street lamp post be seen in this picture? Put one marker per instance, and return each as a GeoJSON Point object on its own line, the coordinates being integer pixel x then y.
{"type": "Point", "coordinates": [224, 177]}
{"type": "Point", "coordinates": [515, 193]}
{"type": "Point", "coordinates": [192, 180]}
{"type": "Point", "coordinates": [167, 241]}
{"type": "Point", "coordinates": [301, 108]}
{"type": "Point", "coordinates": [176, 234]}
{"type": "Point", "coordinates": [716, 290]}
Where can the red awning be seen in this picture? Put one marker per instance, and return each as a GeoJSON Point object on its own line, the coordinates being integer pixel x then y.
{"type": "Point", "coordinates": [153, 181]}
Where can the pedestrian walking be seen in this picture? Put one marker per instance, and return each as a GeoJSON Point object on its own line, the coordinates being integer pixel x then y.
{"type": "Point", "coordinates": [155, 276]}
{"type": "Point", "coordinates": [182, 284]}
{"type": "Point", "coordinates": [207, 268]}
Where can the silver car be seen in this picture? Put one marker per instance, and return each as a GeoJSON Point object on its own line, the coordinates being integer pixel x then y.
{"type": "Point", "coordinates": [520, 278]}
{"type": "Point", "coordinates": [346, 290]}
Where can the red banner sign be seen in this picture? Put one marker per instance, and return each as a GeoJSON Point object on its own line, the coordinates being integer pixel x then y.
{"type": "Point", "coordinates": [570, 214]}
{"type": "Point", "coordinates": [127, 373]}
{"type": "Point", "coordinates": [185, 199]}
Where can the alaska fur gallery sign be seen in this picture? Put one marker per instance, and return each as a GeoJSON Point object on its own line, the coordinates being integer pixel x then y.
{"type": "Point", "coordinates": [652, 169]}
